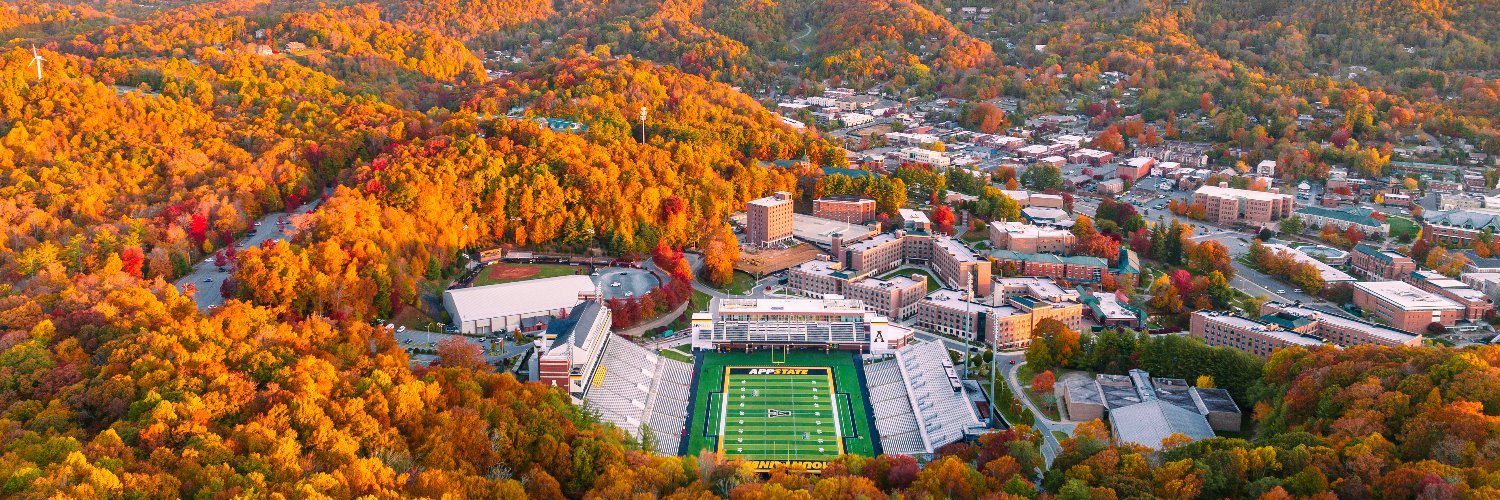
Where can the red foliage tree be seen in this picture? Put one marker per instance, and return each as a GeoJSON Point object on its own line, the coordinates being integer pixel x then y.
{"type": "Point", "coordinates": [133, 259]}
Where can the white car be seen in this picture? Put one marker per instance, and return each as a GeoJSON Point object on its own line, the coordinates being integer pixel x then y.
{"type": "Point", "coordinates": [615, 284]}
{"type": "Point", "coordinates": [629, 294]}
{"type": "Point", "coordinates": [401, 329]}
{"type": "Point", "coordinates": [594, 274]}
{"type": "Point", "coordinates": [1281, 291]}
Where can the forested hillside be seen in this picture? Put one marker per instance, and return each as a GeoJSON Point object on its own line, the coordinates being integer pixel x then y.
{"type": "Point", "coordinates": [161, 130]}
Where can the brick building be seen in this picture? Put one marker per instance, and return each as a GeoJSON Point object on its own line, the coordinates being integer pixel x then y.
{"type": "Point", "coordinates": [1457, 228]}
{"type": "Point", "coordinates": [1333, 328]}
{"type": "Point", "coordinates": [955, 264]}
{"type": "Point", "coordinates": [850, 209]}
{"type": "Point", "coordinates": [1404, 306]}
{"type": "Point", "coordinates": [1476, 304]}
{"type": "Point", "coordinates": [1252, 336]}
{"type": "Point", "coordinates": [768, 220]}
{"type": "Point", "coordinates": [1004, 324]}
{"type": "Point", "coordinates": [1076, 268]}
{"type": "Point", "coordinates": [1377, 264]}
{"type": "Point", "coordinates": [1025, 238]}
{"type": "Point", "coordinates": [1226, 206]}
{"type": "Point", "coordinates": [895, 297]}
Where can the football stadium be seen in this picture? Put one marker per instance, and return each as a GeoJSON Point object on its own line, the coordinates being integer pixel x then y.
{"type": "Point", "coordinates": [774, 382]}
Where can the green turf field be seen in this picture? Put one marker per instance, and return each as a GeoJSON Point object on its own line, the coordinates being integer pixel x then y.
{"type": "Point", "coordinates": [789, 401]}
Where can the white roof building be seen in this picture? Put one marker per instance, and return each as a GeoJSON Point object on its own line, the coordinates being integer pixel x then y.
{"type": "Point", "coordinates": [1407, 297]}
{"type": "Point", "coordinates": [509, 306]}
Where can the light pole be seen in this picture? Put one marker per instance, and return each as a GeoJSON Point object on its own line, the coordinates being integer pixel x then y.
{"type": "Point", "coordinates": [643, 124]}
{"type": "Point", "coordinates": [973, 325]}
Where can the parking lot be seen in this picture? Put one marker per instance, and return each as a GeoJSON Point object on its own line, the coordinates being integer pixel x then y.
{"type": "Point", "coordinates": [632, 282]}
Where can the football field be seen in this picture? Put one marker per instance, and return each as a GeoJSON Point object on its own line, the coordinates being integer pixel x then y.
{"type": "Point", "coordinates": [772, 413]}
{"type": "Point", "coordinates": [800, 408]}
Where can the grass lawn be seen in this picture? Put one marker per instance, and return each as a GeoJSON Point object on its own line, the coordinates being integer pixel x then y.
{"type": "Point", "coordinates": [1047, 403]}
{"type": "Point", "coordinates": [1060, 435]}
{"type": "Point", "coordinates": [740, 284]}
{"type": "Point", "coordinates": [975, 236]}
{"type": "Point", "coordinates": [507, 273]}
{"type": "Point", "coordinates": [932, 281]}
{"type": "Point", "coordinates": [676, 354]}
{"type": "Point", "coordinates": [698, 302]}
{"type": "Point", "coordinates": [1401, 225]}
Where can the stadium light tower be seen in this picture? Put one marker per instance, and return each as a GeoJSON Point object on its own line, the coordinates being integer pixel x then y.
{"type": "Point", "coordinates": [973, 325]}
{"type": "Point", "coordinates": [643, 124]}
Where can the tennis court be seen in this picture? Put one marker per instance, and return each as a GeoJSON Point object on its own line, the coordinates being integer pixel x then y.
{"type": "Point", "coordinates": [780, 408]}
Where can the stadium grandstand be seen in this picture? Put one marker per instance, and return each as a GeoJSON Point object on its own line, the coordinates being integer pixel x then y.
{"type": "Point", "coordinates": [918, 407]}
{"type": "Point", "coordinates": [828, 323]}
{"type": "Point", "coordinates": [628, 385]}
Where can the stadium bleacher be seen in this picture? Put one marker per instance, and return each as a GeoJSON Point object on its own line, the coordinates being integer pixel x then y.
{"type": "Point", "coordinates": [916, 407]}
{"type": "Point", "coordinates": [639, 387]}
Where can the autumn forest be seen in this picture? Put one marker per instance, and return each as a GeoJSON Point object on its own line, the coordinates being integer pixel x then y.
{"type": "Point", "coordinates": [161, 131]}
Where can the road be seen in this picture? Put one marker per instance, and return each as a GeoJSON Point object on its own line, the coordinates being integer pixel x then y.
{"type": "Point", "coordinates": [206, 278]}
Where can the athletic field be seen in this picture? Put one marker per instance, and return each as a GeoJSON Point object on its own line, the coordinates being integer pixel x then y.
{"type": "Point", "coordinates": [802, 407]}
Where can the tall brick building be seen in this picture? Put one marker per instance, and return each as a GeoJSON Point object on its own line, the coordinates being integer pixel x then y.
{"type": "Point", "coordinates": [768, 220]}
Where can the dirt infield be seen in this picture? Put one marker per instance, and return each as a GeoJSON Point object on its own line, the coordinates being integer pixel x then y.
{"type": "Point", "coordinates": [504, 273]}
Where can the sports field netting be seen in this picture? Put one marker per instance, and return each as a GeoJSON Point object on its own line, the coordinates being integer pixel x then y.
{"type": "Point", "coordinates": [802, 408]}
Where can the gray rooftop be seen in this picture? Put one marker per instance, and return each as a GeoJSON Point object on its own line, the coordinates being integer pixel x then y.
{"type": "Point", "coordinates": [1148, 423]}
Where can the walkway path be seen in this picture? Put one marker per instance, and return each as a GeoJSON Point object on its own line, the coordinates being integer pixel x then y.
{"type": "Point", "coordinates": [1050, 446]}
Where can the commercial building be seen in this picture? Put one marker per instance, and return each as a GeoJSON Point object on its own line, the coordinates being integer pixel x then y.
{"type": "Point", "coordinates": [1026, 238]}
{"type": "Point", "coordinates": [1342, 218]}
{"type": "Point", "coordinates": [1224, 205]}
{"type": "Point", "coordinates": [1339, 330]}
{"type": "Point", "coordinates": [1047, 216]}
{"type": "Point", "coordinates": [1028, 199]}
{"type": "Point", "coordinates": [1377, 264]}
{"type": "Point", "coordinates": [1404, 306]}
{"type": "Point", "coordinates": [1075, 268]}
{"type": "Point", "coordinates": [1456, 201]}
{"type": "Point", "coordinates": [525, 306]}
{"type": "Point", "coordinates": [829, 323]}
{"type": "Point", "coordinates": [768, 220]}
{"type": "Point", "coordinates": [1135, 168]}
{"type": "Point", "coordinates": [1145, 411]}
{"type": "Point", "coordinates": [850, 209]}
{"type": "Point", "coordinates": [1476, 304]}
{"type": "Point", "coordinates": [1255, 337]}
